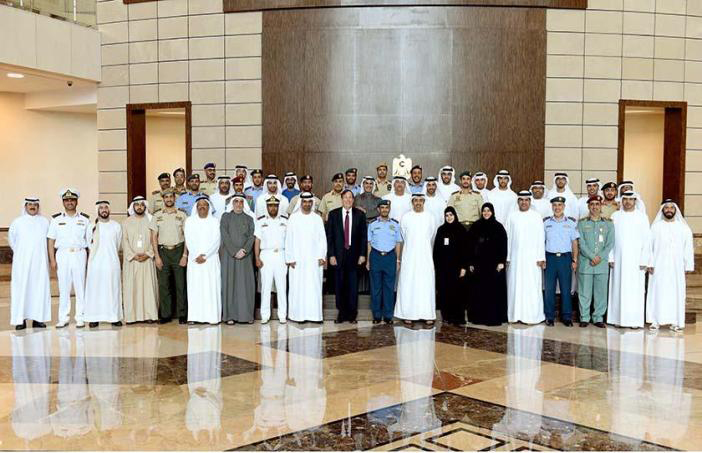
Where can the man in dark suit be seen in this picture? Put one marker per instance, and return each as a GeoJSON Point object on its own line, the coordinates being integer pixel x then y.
{"type": "Point", "coordinates": [347, 241]}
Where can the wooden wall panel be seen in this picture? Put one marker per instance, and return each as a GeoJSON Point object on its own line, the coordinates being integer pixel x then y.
{"type": "Point", "coordinates": [352, 87]}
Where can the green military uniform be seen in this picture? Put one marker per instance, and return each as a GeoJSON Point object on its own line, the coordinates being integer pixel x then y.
{"type": "Point", "coordinates": [331, 200]}
{"type": "Point", "coordinates": [609, 209]}
{"type": "Point", "coordinates": [209, 187]}
{"type": "Point", "coordinates": [467, 206]}
{"type": "Point", "coordinates": [382, 188]}
{"type": "Point", "coordinates": [596, 239]}
{"type": "Point", "coordinates": [171, 244]}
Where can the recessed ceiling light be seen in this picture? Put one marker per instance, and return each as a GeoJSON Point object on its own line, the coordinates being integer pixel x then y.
{"type": "Point", "coordinates": [15, 75]}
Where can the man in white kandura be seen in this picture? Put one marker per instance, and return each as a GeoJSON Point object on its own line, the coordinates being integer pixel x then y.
{"type": "Point", "coordinates": [538, 200]}
{"type": "Point", "coordinates": [447, 182]}
{"type": "Point", "coordinates": [479, 184]}
{"type": "Point", "coordinates": [561, 188]}
{"type": "Point", "coordinates": [69, 235]}
{"type": "Point", "coordinates": [220, 197]}
{"type": "Point", "coordinates": [526, 259]}
{"type": "Point", "coordinates": [628, 186]}
{"type": "Point", "coordinates": [272, 188]}
{"type": "Point", "coordinates": [103, 285]}
{"type": "Point", "coordinates": [502, 197]}
{"type": "Point", "coordinates": [434, 203]}
{"type": "Point", "coordinates": [416, 294]}
{"type": "Point", "coordinates": [203, 275]}
{"type": "Point", "coordinates": [592, 185]}
{"type": "Point", "coordinates": [269, 249]}
{"type": "Point", "coordinates": [140, 286]}
{"type": "Point", "coordinates": [30, 293]}
{"type": "Point", "coordinates": [672, 254]}
{"type": "Point", "coordinates": [400, 198]}
{"type": "Point", "coordinates": [628, 261]}
{"type": "Point", "coordinates": [305, 255]}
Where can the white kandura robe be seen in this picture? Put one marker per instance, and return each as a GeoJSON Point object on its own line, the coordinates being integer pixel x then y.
{"type": "Point", "coordinates": [103, 282]}
{"type": "Point", "coordinates": [416, 290]}
{"type": "Point", "coordinates": [627, 282]}
{"type": "Point", "coordinates": [435, 206]}
{"type": "Point", "coordinates": [219, 203]}
{"type": "Point", "coordinates": [504, 201]}
{"type": "Point", "coordinates": [445, 190]}
{"type": "Point", "coordinates": [202, 237]}
{"type": "Point", "coordinates": [305, 245]}
{"type": "Point", "coordinates": [542, 206]}
{"type": "Point", "coordinates": [30, 293]}
{"type": "Point", "coordinates": [399, 204]}
{"type": "Point", "coordinates": [525, 246]}
{"type": "Point", "coordinates": [672, 254]}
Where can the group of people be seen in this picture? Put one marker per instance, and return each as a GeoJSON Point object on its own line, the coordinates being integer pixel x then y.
{"type": "Point", "coordinates": [199, 251]}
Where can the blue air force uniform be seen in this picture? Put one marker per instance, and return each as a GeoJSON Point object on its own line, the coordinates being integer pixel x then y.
{"type": "Point", "coordinates": [560, 233]}
{"type": "Point", "coordinates": [383, 236]}
{"type": "Point", "coordinates": [186, 201]}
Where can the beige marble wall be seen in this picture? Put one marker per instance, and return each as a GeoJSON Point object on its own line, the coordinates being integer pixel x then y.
{"type": "Point", "coordinates": [180, 50]}
{"type": "Point", "coordinates": [621, 49]}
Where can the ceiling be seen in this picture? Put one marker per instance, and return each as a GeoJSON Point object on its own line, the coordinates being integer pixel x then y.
{"type": "Point", "coordinates": [35, 81]}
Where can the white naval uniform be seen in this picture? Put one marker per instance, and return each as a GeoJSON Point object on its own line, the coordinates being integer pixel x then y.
{"type": "Point", "coordinates": [271, 233]}
{"type": "Point", "coordinates": [72, 236]}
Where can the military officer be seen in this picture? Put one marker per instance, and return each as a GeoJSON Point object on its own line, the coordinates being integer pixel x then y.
{"type": "Point", "coordinates": [332, 199]}
{"type": "Point", "coordinates": [168, 241]}
{"type": "Point", "coordinates": [186, 201]}
{"type": "Point", "coordinates": [69, 234]}
{"type": "Point", "coordinates": [269, 249]}
{"type": "Point", "coordinates": [609, 202]}
{"type": "Point", "coordinates": [467, 202]}
{"type": "Point", "coordinates": [179, 180]}
{"type": "Point", "coordinates": [305, 186]}
{"type": "Point", "coordinates": [384, 243]}
{"type": "Point", "coordinates": [255, 189]}
{"type": "Point", "coordinates": [164, 180]}
{"type": "Point", "coordinates": [382, 185]}
{"type": "Point", "coordinates": [561, 260]}
{"type": "Point", "coordinates": [351, 176]}
{"type": "Point", "coordinates": [209, 185]}
{"type": "Point", "coordinates": [595, 243]}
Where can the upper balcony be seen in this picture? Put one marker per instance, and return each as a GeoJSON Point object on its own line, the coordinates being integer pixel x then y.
{"type": "Point", "coordinates": [81, 12]}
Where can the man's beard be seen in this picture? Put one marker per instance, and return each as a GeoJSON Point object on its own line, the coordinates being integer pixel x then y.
{"type": "Point", "coordinates": [669, 215]}
{"type": "Point", "coordinates": [104, 215]}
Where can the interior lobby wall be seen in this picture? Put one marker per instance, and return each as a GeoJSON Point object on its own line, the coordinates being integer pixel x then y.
{"type": "Point", "coordinates": [165, 148]}
{"type": "Point", "coordinates": [42, 152]}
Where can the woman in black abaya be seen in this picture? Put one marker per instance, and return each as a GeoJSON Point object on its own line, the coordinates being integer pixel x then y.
{"type": "Point", "coordinates": [450, 268]}
{"type": "Point", "coordinates": [487, 253]}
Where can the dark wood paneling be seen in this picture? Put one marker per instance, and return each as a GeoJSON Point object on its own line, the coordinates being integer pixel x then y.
{"type": "Point", "coordinates": [233, 6]}
{"type": "Point", "coordinates": [674, 143]}
{"type": "Point", "coordinates": [136, 142]}
{"type": "Point", "coordinates": [351, 87]}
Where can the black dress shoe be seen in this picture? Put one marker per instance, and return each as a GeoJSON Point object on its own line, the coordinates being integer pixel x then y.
{"type": "Point", "coordinates": [93, 325]}
{"type": "Point", "coordinates": [583, 324]}
{"type": "Point", "coordinates": [164, 320]}
{"type": "Point", "coordinates": [117, 324]}
{"type": "Point", "coordinates": [182, 321]}
{"type": "Point", "coordinates": [600, 324]}
{"type": "Point", "coordinates": [568, 323]}
{"type": "Point", "coordinates": [21, 326]}
{"type": "Point", "coordinates": [389, 322]}
{"type": "Point", "coordinates": [376, 321]}
{"type": "Point", "coordinates": [549, 322]}
{"type": "Point", "coordinates": [353, 321]}
{"type": "Point", "coordinates": [338, 321]}
{"type": "Point", "coordinates": [38, 325]}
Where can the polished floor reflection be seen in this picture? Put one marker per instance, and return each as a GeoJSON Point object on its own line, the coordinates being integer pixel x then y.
{"type": "Point", "coordinates": [325, 387]}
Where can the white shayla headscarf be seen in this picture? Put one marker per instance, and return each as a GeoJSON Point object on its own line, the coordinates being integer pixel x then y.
{"type": "Point", "coordinates": [678, 215]}
{"type": "Point", "coordinates": [138, 199]}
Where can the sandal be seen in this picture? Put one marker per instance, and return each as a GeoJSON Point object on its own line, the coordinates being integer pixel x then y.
{"type": "Point", "coordinates": [407, 322]}
{"type": "Point", "coordinates": [429, 323]}
{"type": "Point", "coordinates": [231, 322]}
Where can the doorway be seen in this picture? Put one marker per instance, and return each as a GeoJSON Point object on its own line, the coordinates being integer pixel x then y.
{"type": "Point", "coordinates": [158, 140]}
{"type": "Point", "coordinates": [652, 150]}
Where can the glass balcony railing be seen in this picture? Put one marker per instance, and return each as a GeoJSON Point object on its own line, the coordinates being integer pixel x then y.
{"type": "Point", "coordinates": [79, 11]}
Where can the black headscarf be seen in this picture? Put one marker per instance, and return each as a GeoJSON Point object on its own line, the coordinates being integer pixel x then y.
{"type": "Point", "coordinates": [454, 254]}
{"type": "Point", "coordinates": [484, 231]}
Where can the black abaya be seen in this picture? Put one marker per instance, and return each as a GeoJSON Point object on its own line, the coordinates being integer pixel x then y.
{"type": "Point", "coordinates": [487, 247]}
{"type": "Point", "coordinates": [449, 259]}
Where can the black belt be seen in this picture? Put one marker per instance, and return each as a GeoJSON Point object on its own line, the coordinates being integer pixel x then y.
{"type": "Point", "coordinates": [559, 253]}
{"type": "Point", "coordinates": [170, 247]}
{"type": "Point", "coordinates": [384, 253]}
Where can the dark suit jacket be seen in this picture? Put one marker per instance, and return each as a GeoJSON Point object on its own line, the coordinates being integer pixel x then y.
{"type": "Point", "coordinates": [335, 234]}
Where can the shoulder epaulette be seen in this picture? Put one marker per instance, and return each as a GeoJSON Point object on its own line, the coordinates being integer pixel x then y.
{"type": "Point", "coordinates": [284, 216]}
{"type": "Point", "coordinates": [85, 215]}
{"type": "Point", "coordinates": [393, 220]}
{"type": "Point", "coordinates": [182, 210]}
{"type": "Point", "coordinates": [573, 219]}
{"type": "Point", "coordinates": [454, 193]}
{"type": "Point", "coordinates": [155, 192]}
{"type": "Point", "coordinates": [259, 218]}
{"type": "Point", "coordinates": [56, 215]}
{"type": "Point", "coordinates": [157, 211]}
{"type": "Point", "coordinates": [546, 218]}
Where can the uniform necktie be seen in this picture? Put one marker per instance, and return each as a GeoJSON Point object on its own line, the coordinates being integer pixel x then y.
{"type": "Point", "coordinates": [347, 239]}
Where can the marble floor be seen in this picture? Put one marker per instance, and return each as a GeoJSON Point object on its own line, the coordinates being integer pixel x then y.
{"type": "Point", "coordinates": [326, 387]}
